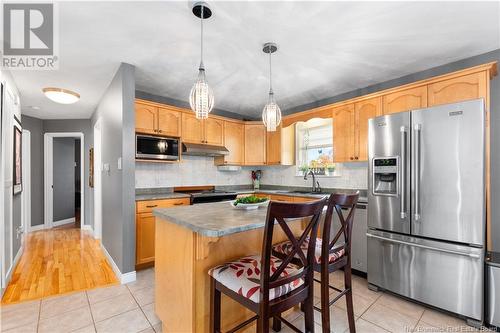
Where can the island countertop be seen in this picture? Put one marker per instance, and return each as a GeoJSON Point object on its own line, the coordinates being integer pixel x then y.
{"type": "Point", "coordinates": [214, 219]}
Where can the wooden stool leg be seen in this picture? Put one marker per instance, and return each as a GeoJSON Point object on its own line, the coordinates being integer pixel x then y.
{"type": "Point", "coordinates": [325, 301]}
{"type": "Point", "coordinates": [215, 311]}
{"type": "Point", "coordinates": [348, 298]}
{"type": "Point", "coordinates": [276, 324]}
{"type": "Point", "coordinates": [309, 314]}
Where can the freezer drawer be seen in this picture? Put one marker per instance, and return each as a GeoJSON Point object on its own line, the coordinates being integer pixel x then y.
{"type": "Point", "coordinates": [440, 274]}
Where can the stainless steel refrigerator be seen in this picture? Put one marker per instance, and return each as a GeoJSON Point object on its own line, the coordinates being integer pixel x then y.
{"type": "Point", "coordinates": [426, 206]}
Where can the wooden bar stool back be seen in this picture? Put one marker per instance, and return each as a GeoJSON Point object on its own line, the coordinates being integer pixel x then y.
{"type": "Point", "coordinates": [265, 284]}
{"type": "Point", "coordinates": [338, 252]}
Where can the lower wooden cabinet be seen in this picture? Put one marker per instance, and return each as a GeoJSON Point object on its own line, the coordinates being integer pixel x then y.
{"type": "Point", "coordinates": [145, 228]}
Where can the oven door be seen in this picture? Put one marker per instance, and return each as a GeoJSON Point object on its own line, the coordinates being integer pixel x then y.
{"type": "Point", "coordinates": [156, 148]}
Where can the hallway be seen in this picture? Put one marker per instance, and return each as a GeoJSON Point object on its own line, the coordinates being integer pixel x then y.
{"type": "Point", "coordinates": [58, 261]}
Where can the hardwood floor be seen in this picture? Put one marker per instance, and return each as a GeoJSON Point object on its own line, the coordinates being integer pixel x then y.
{"type": "Point", "coordinates": [58, 261]}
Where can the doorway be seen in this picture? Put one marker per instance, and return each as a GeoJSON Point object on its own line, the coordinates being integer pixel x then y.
{"type": "Point", "coordinates": [64, 185]}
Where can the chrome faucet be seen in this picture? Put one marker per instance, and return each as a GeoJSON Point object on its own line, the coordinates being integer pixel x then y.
{"type": "Point", "coordinates": [315, 184]}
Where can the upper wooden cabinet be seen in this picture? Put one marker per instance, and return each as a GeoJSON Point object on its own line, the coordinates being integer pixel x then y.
{"type": "Point", "coordinates": [234, 141]}
{"type": "Point", "coordinates": [154, 120]}
{"type": "Point", "coordinates": [255, 143]}
{"type": "Point", "coordinates": [458, 89]}
{"type": "Point", "coordinates": [146, 118]}
{"type": "Point", "coordinates": [214, 131]}
{"type": "Point", "coordinates": [192, 129]}
{"type": "Point", "coordinates": [405, 100]}
{"type": "Point", "coordinates": [343, 133]}
{"type": "Point", "coordinates": [169, 122]}
{"type": "Point", "coordinates": [273, 147]}
{"type": "Point", "coordinates": [363, 111]}
{"type": "Point", "coordinates": [207, 131]}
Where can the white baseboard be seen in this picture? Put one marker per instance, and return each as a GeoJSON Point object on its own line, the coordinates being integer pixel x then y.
{"type": "Point", "coordinates": [124, 278]}
{"type": "Point", "coordinates": [36, 227]}
{"type": "Point", "coordinates": [62, 222]}
{"type": "Point", "coordinates": [14, 264]}
{"type": "Point", "coordinates": [87, 227]}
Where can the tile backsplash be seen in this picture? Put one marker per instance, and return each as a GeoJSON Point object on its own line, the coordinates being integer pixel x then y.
{"type": "Point", "coordinates": [198, 170]}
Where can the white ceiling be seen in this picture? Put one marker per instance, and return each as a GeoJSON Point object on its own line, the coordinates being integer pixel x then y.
{"type": "Point", "coordinates": [325, 48]}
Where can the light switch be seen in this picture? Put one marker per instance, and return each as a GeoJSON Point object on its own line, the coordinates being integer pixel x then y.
{"type": "Point", "coordinates": [119, 163]}
{"type": "Point", "coordinates": [106, 167]}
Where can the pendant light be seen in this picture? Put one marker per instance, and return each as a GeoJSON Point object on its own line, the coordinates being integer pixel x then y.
{"type": "Point", "coordinates": [201, 97]}
{"type": "Point", "coordinates": [271, 115]}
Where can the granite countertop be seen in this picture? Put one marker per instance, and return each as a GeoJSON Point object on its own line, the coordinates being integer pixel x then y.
{"type": "Point", "coordinates": [214, 219]}
{"type": "Point", "coordinates": [157, 196]}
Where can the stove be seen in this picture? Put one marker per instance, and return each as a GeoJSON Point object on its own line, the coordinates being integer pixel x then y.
{"type": "Point", "coordinates": [207, 194]}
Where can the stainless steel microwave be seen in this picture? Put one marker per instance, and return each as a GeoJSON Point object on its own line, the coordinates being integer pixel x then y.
{"type": "Point", "coordinates": [149, 147]}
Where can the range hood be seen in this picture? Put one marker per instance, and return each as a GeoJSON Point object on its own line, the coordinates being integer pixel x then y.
{"type": "Point", "coordinates": [196, 149]}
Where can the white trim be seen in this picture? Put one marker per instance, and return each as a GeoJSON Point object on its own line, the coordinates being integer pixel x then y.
{"type": "Point", "coordinates": [36, 227]}
{"type": "Point", "coordinates": [97, 180]}
{"type": "Point", "coordinates": [87, 227]}
{"type": "Point", "coordinates": [63, 222]}
{"type": "Point", "coordinates": [14, 264]}
{"type": "Point", "coordinates": [124, 278]}
{"type": "Point", "coordinates": [48, 158]}
{"type": "Point", "coordinates": [26, 194]}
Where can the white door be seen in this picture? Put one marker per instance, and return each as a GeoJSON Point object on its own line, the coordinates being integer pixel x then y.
{"type": "Point", "coordinates": [26, 194]}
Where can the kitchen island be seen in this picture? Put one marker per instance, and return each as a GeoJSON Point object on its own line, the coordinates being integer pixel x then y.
{"type": "Point", "coordinates": [189, 241]}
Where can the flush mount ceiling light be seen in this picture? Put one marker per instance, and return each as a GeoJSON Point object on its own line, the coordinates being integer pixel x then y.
{"type": "Point", "coordinates": [201, 98]}
{"type": "Point", "coordinates": [62, 96]}
{"type": "Point", "coordinates": [271, 115]}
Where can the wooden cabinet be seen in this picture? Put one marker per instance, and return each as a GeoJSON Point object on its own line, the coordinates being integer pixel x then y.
{"type": "Point", "coordinates": [208, 131]}
{"type": "Point", "coordinates": [169, 122]}
{"type": "Point", "coordinates": [343, 133]}
{"type": "Point", "coordinates": [234, 141]}
{"type": "Point", "coordinates": [405, 100]}
{"type": "Point", "coordinates": [255, 143]}
{"type": "Point", "coordinates": [192, 129]}
{"type": "Point", "coordinates": [273, 147]}
{"type": "Point", "coordinates": [145, 228]}
{"type": "Point", "coordinates": [363, 111]}
{"type": "Point", "coordinates": [458, 89]}
{"type": "Point", "coordinates": [145, 118]}
{"type": "Point", "coordinates": [214, 131]}
{"type": "Point", "coordinates": [154, 120]}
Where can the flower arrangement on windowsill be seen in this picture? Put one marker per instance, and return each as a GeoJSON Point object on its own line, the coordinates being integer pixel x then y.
{"type": "Point", "coordinates": [325, 170]}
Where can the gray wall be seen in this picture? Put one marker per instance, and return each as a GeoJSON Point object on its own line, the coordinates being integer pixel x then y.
{"type": "Point", "coordinates": [64, 179]}
{"type": "Point", "coordinates": [38, 128]}
{"type": "Point", "coordinates": [116, 116]}
{"type": "Point", "coordinates": [495, 120]}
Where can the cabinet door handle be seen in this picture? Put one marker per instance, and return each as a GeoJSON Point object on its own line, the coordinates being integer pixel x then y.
{"type": "Point", "coordinates": [178, 204]}
{"type": "Point", "coordinates": [152, 206]}
{"type": "Point", "coordinates": [356, 158]}
{"type": "Point", "coordinates": [352, 158]}
{"type": "Point", "coordinates": [159, 131]}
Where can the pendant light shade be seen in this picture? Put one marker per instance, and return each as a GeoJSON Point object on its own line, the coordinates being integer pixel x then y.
{"type": "Point", "coordinates": [201, 98]}
{"type": "Point", "coordinates": [271, 115]}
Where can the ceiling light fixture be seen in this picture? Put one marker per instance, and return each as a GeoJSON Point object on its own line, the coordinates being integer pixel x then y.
{"type": "Point", "coordinates": [62, 96]}
{"type": "Point", "coordinates": [201, 97]}
{"type": "Point", "coordinates": [271, 115]}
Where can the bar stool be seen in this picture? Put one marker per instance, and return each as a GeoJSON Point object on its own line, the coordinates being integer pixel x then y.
{"type": "Point", "coordinates": [339, 256]}
{"type": "Point", "coordinates": [265, 284]}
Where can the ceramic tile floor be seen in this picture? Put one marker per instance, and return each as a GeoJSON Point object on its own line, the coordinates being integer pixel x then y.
{"type": "Point", "coordinates": [130, 308]}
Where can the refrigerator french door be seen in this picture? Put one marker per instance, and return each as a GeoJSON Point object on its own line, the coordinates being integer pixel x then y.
{"type": "Point", "coordinates": [427, 206]}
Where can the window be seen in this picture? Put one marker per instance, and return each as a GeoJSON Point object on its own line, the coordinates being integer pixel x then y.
{"type": "Point", "coordinates": [315, 147]}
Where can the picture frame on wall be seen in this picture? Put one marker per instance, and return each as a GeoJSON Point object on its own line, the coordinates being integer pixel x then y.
{"type": "Point", "coordinates": [18, 164]}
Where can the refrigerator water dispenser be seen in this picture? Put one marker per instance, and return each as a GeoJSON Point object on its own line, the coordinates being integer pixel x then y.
{"type": "Point", "coordinates": [385, 176]}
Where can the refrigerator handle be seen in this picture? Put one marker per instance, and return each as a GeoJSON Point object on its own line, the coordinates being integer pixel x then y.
{"type": "Point", "coordinates": [416, 176]}
{"type": "Point", "coordinates": [402, 203]}
{"type": "Point", "coordinates": [432, 248]}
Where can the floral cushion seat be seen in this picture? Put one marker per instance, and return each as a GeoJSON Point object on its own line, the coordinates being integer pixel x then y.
{"type": "Point", "coordinates": [287, 247]}
{"type": "Point", "coordinates": [243, 277]}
